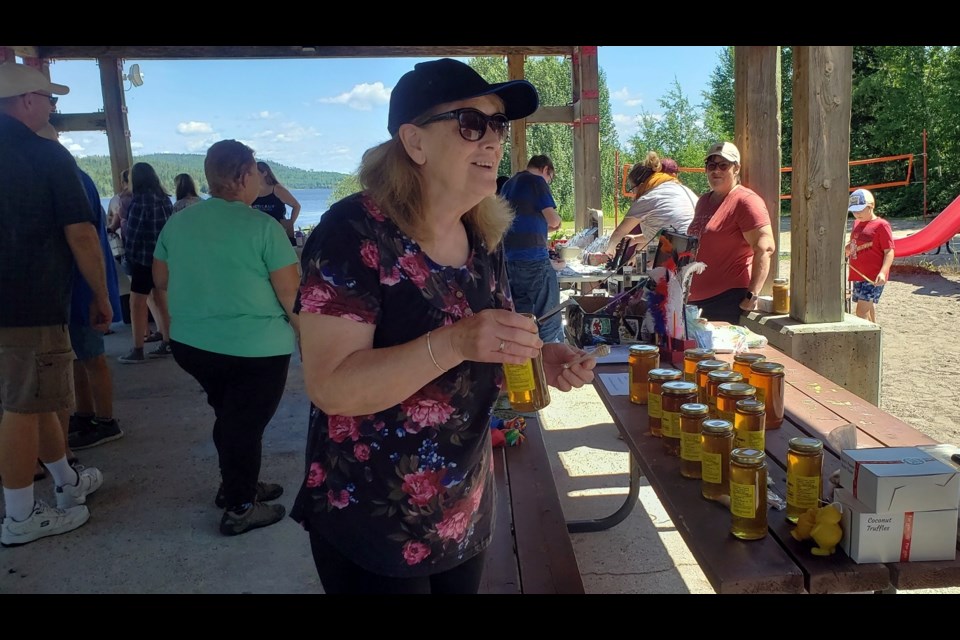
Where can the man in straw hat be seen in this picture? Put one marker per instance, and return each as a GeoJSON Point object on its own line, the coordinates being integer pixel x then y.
{"type": "Point", "coordinates": [46, 224]}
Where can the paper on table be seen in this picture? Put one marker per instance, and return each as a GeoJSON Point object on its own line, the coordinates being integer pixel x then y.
{"type": "Point", "coordinates": [617, 384]}
{"type": "Point", "coordinates": [618, 355]}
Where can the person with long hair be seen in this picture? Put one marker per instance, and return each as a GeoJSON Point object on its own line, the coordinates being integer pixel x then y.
{"type": "Point", "coordinates": [736, 240]}
{"type": "Point", "coordinates": [149, 210]}
{"type": "Point", "coordinates": [232, 280]}
{"type": "Point", "coordinates": [273, 199]}
{"type": "Point", "coordinates": [186, 192]}
{"type": "Point", "coordinates": [660, 202]}
{"type": "Point", "coordinates": [406, 320]}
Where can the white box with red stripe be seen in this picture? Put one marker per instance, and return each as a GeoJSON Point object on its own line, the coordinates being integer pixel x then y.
{"type": "Point", "coordinates": [897, 536]}
{"type": "Point", "coordinates": [899, 479]}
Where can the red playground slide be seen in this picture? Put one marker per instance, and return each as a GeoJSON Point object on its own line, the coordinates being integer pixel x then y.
{"type": "Point", "coordinates": [941, 229]}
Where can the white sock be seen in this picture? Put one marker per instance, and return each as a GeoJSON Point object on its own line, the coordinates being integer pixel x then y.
{"type": "Point", "coordinates": [19, 502]}
{"type": "Point", "coordinates": [62, 472]}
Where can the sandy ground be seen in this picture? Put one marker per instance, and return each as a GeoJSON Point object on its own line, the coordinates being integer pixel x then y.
{"type": "Point", "coordinates": [918, 313]}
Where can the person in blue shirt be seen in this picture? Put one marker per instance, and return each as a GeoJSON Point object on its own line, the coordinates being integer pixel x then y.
{"type": "Point", "coordinates": [533, 280]}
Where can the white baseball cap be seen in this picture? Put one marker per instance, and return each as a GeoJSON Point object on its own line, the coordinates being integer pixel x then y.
{"type": "Point", "coordinates": [860, 200]}
{"type": "Point", "coordinates": [726, 150]}
{"type": "Point", "coordinates": [18, 79]}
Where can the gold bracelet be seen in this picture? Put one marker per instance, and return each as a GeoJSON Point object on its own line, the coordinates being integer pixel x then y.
{"type": "Point", "coordinates": [430, 351]}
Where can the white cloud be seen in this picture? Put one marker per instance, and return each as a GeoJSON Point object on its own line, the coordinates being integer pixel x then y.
{"type": "Point", "coordinates": [136, 145]}
{"type": "Point", "coordinates": [200, 145]}
{"type": "Point", "coordinates": [194, 128]}
{"type": "Point", "coordinates": [362, 97]}
{"type": "Point", "coordinates": [624, 96]}
{"type": "Point", "coordinates": [265, 115]}
{"type": "Point", "coordinates": [288, 133]}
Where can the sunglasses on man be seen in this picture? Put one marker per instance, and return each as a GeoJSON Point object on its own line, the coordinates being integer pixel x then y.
{"type": "Point", "coordinates": [473, 123]}
{"type": "Point", "coordinates": [52, 99]}
{"type": "Point", "coordinates": [723, 166]}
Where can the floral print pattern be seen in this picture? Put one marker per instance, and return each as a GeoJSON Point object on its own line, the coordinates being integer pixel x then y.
{"type": "Point", "coordinates": [407, 491]}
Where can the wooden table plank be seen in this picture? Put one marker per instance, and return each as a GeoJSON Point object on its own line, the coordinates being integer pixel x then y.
{"type": "Point", "coordinates": [501, 572]}
{"type": "Point", "coordinates": [545, 553]}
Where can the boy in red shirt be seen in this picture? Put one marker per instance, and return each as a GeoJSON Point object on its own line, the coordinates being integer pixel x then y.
{"type": "Point", "coordinates": [870, 251]}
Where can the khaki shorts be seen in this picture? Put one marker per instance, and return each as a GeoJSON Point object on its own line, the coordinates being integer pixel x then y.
{"type": "Point", "coordinates": [36, 369]}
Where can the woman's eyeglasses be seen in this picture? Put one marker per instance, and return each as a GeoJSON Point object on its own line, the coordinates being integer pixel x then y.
{"type": "Point", "coordinates": [52, 99]}
{"type": "Point", "coordinates": [723, 166]}
{"type": "Point", "coordinates": [473, 124]}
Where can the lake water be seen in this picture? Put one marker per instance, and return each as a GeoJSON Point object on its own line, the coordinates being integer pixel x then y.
{"type": "Point", "coordinates": [313, 204]}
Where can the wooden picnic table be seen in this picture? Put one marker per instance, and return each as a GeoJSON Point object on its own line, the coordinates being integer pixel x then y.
{"type": "Point", "coordinates": [814, 407]}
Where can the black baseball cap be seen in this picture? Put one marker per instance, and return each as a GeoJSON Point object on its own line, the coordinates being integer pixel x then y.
{"type": "Point", "coordinates": [448, 80]}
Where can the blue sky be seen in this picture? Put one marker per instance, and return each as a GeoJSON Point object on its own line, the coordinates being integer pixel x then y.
{"type": "Point", "coordinates": [322, 114]}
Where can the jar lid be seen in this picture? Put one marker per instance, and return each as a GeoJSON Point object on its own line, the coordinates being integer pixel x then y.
{"type": "Point", "coordinates": [725, 375]}
{"type": "Point", "coordinates": [645, 349]}
{"type": "Point", "coordinates": [781, 280]}
{"type": "Point", "coordinates": [699, 354]}
{"type": "Point", "coordinates": [806, 445]}
{"type": "Point", "coordinates": [749, 357]}
{"type": "Point", "coordinates": [694, 409]}
{"type": "Point", "coordinates": [664, 374]}
{"type": "Point", "coordinates": [748, 457]}
{"type": "Point", "coordinates": [716, 426]}
{"type": "Point", "coordinates": [767, 367]}
{"type": "Point", "coordinates": [737, 389]}
{"type": "Point", "coordinates": [678, 387]}
{"type": "Point", "coordinates": [751, 405]}
{"type": "Point", "coordinates": [712, 365]}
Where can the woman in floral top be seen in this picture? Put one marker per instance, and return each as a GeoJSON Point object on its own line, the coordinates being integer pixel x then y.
{"type": "Point", "coordinates": [406, 320]}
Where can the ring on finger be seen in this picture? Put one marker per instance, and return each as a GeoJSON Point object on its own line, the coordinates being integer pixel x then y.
{"type": "Point", "coordinates": [503, 343]}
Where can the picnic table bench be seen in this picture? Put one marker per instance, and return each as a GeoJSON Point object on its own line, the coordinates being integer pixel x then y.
{"type": "Point", "coordinates": [531, 551]}
{"type": "Point", "coordinates": [814, 407]}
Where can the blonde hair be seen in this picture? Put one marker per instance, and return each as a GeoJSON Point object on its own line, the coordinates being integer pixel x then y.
{"type": "Point", "coordinates": [644, 169]}
{"type": "Point", "coordinates": [394, 182]}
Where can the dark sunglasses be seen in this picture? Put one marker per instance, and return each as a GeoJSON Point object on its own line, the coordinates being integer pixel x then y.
{"type": "Point", "coordinates": [723, 166]}
{"type": "Point", "coordinates": [52, 99]}
{"type": "Point", "coordinates": [473, 124]}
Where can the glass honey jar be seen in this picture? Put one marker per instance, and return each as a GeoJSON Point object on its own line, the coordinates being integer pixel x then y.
{"type": "Point", "coordinates": [714, 380]}
{"type": "Point", "coordinates": [781, 296]}
{"type": "Point", "coordinates": [804, 475]}
{"type": "Point", "coordinates": [742, 362]}
{"type": "Point", "coordinates": [716, 443]}
{"type": "Point", "coordinates": [704, 367]}
{"type": "Point", "coordinates": [767, 377]}
{"type": "Point", "coordinates": [690, 359]}
{"type": "Point", "coordinates": [728, 393]}
{"type": "Point", "coordinates": [654, 404]}
{"type": "Point", "coordinates": [641, 359]}
{"type": "Point", "coordinates": [526, 383]}
{"type": "Point", "coordinates": [674, 394]}
{"type": "Point", "coordinates": [748, 494]}
{"type": "Point", "coordinates": [692, 416]}
{"type": "Point", "coordinates": [749, 420]}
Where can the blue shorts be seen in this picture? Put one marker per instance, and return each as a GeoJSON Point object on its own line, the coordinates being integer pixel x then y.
{"type": "Point", "coordinates": [863, 290]}
{"type": "Point", "coordinates": [87, 341]}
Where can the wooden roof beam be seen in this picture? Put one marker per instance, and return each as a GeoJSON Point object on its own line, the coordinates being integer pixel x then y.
{"type": "Point", "coordinates": [144, 52]}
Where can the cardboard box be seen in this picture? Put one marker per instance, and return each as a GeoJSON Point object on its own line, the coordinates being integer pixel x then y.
{"type": "Point", "coordinates": [896, 536]}
{"type": "Point", "coordinates": [899, 479]}
{"type": "Point", "coordinates": [585, 327]}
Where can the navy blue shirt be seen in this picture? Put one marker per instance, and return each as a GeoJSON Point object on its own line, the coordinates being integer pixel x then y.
{"type": "Point", "coordinates": [40, 194]}
{"type": "Point", "coordinates": [529, 195]}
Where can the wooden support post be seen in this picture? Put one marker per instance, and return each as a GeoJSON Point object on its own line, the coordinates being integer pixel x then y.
{"type": "Point", "coordinates": [518, 128]}
{"type": "Point", "coordinates": [579, 201]}
{"type": "Point", "coordinates": [757, 132]}
{"type": "Point", "coordinates": [822, 82]}
{"type": "Point", "coordinates": [589, 134]}
{"type": "Point", "coordinates": [114, 106]}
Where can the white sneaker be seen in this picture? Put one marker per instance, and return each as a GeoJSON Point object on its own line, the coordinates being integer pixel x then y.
{"type": "Point", "coordinates": [44, 521]}
{"type": "Point", "coordinates": [70, 495]}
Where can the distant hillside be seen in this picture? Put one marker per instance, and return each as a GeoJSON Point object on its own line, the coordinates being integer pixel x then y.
{"type": "Point", "coordinates": [168, 165]}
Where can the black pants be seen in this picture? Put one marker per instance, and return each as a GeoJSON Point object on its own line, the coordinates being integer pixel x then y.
{"type": "Point", "coordinates": [723, 307]}
{"type": "Point", "coordinates": [339, 575]}
{"type": "Point", "coordinates": [244, 393]}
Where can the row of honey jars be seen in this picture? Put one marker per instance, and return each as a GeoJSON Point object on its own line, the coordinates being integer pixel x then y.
{"type": "Point", "coordinates": [767, 377]}
{"type": "Point", "coordinates": [656, 378]}
{"type": "Point", "coordinates": [714, 380]}
{"type": "Point", "coordinates": [704, 367]}
{"type": "Point", "coordinates": [674, 394]}
{"type": "Point", "coordinates": [690, 359]}
{"type": "Point", "coordinates": [641, 360]}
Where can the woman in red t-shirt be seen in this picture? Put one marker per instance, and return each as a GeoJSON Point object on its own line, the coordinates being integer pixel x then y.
{"type": "Point", "coordinates": [736, 240]}
{"type": "Point", "coordinates": [870, 251]}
